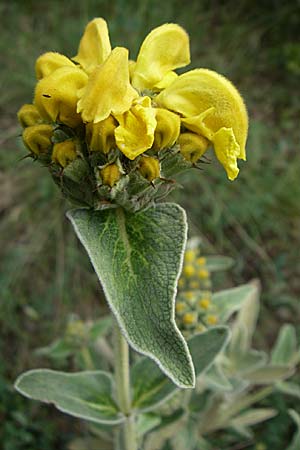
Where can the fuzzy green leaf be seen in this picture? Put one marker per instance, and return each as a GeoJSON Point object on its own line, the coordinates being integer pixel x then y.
{"type": "Point", "coordinates": [216, 263]}
{"type": "Point", "coordinates": [269, 374]}
{"type": "Point", "coordinates": [295, 444]}
{"type": "Point", "coordinates": [285, 347]}
{"type": "Point", "coordinates": [87, 395]}
{"type": "Point", "coordinates": [138, 258]}
{"type": "Point", "coordinates": [253, 416]}
{"type": "Point", "coordinates": [231, 300]}
{"type": "Point", "coordinates": [151, 387]}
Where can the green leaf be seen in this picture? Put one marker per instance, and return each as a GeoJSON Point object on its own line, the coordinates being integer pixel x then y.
{"type": "Point", "coordinates": [100, 327]}
{"type": "Point", "coordinates": [242, 363]}
{"type": "Point", "coordinates": [146, 422]}
{"type": "Point", "coordinates": [241, 401]}
{"type": "Point", "coordinates": [252, 417]}
{"type": "Point", "coordinates": [269, 374]}
{"type": "Point", "coordinates": [138, 259]}
{"type": "Point", "coordinates": [186, 438]}
{"type": "Point", "coordinates": [285, 347]}
{"type": "Point", "coordinates": [169, 425]}
{"type": "Point", "coordinates": [289, 388]}
{"type": "Point", "coordinates": [151, 387]}
{"type": "Point", "coordinates": [230, 300]}
{"type": "Point", "coordinates": [87, 395]}
{"type": "Point", "coordinates": [59, 349]}
{"type": "Point", "coordinates": [216, 379]}
{"type": "Point", "coordinates": [246, 321]}
{"type": "Point", "coordinates": [216, 263]}
{"type": "Point", "coordinates": [295, 444]}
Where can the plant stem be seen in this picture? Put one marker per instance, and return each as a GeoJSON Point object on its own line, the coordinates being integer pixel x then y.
{"type": "Point", "coordinates": [121, 353]}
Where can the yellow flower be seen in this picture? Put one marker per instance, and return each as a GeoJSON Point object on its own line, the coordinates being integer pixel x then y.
{"type": "Point", "coordinates": [192, 146]}
{"type": "Point", "coordinates": [201, 260]}
{"type": "Point", "coordinates": [28, 115]}
{"type": "Point", "coordinates": [38, 138]}
{"type": "Point", "coordinates": [64, 152]}
{"type": "Point", "coordinates": [189, 270]}
{"type": "Point", "coordinates": [211, 319]}
{"type": "Point", "coordinates": [203, 273]}
{"type": "Point", "coordinates": [135, 133]}
{"type": "Point", "coordinates": [56, 95]}
{"type": "Point", "coordinates": [164, 49]}
{"type": "Point", "coordinates": [189, 319]}
{"type": "Point", "coordinates": [204, 303]}
{"type": "Point", "coordinates": [110, 174]}
{"type": "Point", "coordinates": [94, 47]}
{"type": "Point", "coordinates": [149, 168]}
{"type": "Point", "coordinates": [49, 62]}
{"type": "Point", "coordinates": [189, 255]}
{"type": "Point", "coordinates": [211, 107]}
{"type": "Point", "coordinates": [167, 129]}
{"type": "Point", "coordinates": [180, 307]}
{"type": "Point", "coordinates": [100, 136]}
{"type": "Point", "coordinates": [108, 90]}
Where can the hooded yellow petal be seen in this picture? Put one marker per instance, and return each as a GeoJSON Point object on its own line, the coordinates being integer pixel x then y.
{"type": "Point", "coordinates": [199, 90]}
{"type": "Point", "coordinates": [227, 151]}
{"type": "Point", "coordinates": [108, 90]}
{"type": "Point", "coordinates": [28, 115]}
{"type": "Point", "coordinates": [94, 47]}
{"type": "Point", "coordinates": [192, 146]}
{"type": "Point", "coordinates": [38, 138]}
{"type": "Point", "coordinates": [49, 62]}
{"type": "Point", "coordinates": [149, 168]}
{"type": "Point", "coordinates": [64, 152]}
{"type": "Point", "coordinates": [167, 129]}
{"type": "Point", "coordinates": [135, 133]}
{"type": "Point", "coordinates": [110, 174]}
{"type": "Point", "coordinates": [164, 49]}
{"type": "Point", "coordinates": [100, 136]}
{"type": "Point", "coordinates": [56, 95]}
{"type": "Point", "coordinates": [168, 79]}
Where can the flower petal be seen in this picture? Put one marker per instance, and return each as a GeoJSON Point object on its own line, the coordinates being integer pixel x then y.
{"type": "Point", "coordinates": [28, 115]}
{"type": "Point", "coordinates": [94, 47]}
{"type": "Point", "coordinates": [135, 134]}
{"type": "Point", "coordinates": [64, 152]}
{"type": "Point", "coordinates": [227, 151]}
{"type": "Point", "coordinates": [100, 136]}
{"type": "Point", "coordinates": [108, 90]}
{"type": "Point", "coordinates": [38, 138]}
{"type": "Point", "coordinates": [56, 95]}
{"type": "Point", "coordinates": [168, 79]}
{"type": "Point", "coordinates": [164, 49]}
{"type": "Point", "coordinates": [192, 146]}
{"type": "Point", "coordinates": [149, 167]}
{"type": "Point", "coordinates": [197, 91]}
{"type": "Point", "coordinates": [49, 62]}
{"type": "Point", "coordinates": [167, 128]}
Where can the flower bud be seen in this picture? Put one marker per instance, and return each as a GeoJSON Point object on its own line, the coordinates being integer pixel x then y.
{"type": "Point", "coordinates": [28, 115]}
{"type": "Point", "coordinates": [56, 95]}
{"type": "Point", "coordinates": [100, 136]}
{"type": "Point", "coordinates": [192, 146]}
{"type": "Point", "coordinates": [110, 174]}
{"type": "Point", "coordinates": [167, 129]}
{"type": "Point", "coordinates": [38, 138]}
{"type": "Point", "coordinates": [149, 168]}
{"type": "Point", "coordinates": [64, 152]}
{"type": "Point", "coordinates": [49, 62]}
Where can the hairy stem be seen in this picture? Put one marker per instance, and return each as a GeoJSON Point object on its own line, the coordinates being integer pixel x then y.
{"type": "Point", "coordinates": [121, 353]}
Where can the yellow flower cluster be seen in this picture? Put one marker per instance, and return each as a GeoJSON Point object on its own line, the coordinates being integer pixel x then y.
{"type": "Point", "coordinates": [133, 108]}
{"type": "Point", "coordinates": [194, 308]}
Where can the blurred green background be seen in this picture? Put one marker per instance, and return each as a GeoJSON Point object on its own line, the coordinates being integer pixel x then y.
{"type": "Point", "coordinates": [44, 272]}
